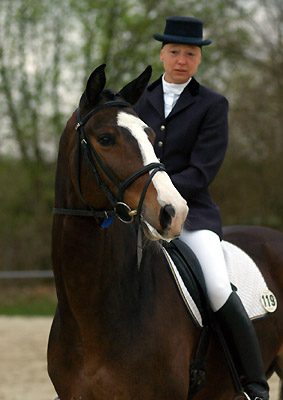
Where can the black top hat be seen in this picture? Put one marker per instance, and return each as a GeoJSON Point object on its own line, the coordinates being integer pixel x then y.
{"type": "Point", "coordinates": [183, 30]}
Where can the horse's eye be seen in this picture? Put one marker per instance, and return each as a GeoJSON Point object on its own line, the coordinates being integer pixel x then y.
{"type": "Point", "coordinates": [106, 139]}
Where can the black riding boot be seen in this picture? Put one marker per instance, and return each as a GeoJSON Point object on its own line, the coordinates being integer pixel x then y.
{"type": "Point", "coordinates": [241, 339]}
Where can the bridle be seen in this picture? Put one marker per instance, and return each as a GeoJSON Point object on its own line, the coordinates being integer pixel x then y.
{"type": "Point", "coordinates": [120, 208]}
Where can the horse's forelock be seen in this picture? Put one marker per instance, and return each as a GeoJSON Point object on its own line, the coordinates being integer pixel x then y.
{"type": "Point", "coordinates": [104, 97]}
{"type": "Point", "coordinates": [108, 95]}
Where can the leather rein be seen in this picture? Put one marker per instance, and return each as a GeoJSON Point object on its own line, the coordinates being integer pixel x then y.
{"type": "Point", "coordinates": [120, 208]}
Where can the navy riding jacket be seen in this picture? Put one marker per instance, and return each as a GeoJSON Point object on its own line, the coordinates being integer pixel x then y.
{"type": "Point", "coordinates": [192, 143]}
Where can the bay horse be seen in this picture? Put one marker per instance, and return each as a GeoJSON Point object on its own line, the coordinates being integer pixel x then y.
{"type": "Point", "coordinates": [120, 331]}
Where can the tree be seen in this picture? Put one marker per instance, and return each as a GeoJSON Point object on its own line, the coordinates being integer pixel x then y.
{"type": "Point", "coordinates": [254, 164]}
{"type": "Point", "coordinates": [30, 71]}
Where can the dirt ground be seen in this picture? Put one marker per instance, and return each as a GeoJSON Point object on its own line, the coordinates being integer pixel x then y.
{"type": "Point", "coordinates": [23, 375]}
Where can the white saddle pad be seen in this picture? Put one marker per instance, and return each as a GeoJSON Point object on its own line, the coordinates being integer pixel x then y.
{"type": "Point", "coordinates": [243, 273]}
{"type": "Point", "coordinates": [248, 279]}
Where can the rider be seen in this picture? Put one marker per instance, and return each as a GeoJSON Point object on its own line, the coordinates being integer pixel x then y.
{"type": "Point", "coordinates": [191, 126]}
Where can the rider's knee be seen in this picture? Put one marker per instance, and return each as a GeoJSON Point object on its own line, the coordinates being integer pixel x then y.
{"type": "Point", "coordinates": [218, 295]}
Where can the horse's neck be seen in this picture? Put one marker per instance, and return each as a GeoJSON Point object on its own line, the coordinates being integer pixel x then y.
{"type": "Point", "coordinates": [99, 285]}
{"type": "Point", "coordinates": [95, 263]}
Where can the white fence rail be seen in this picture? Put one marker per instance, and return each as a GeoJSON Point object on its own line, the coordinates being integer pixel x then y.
{"type": "Point", "coordinates": [26, 274]}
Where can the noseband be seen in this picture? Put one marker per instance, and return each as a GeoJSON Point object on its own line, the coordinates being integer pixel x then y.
{"type": "Point", "coordinates": [120, 208]}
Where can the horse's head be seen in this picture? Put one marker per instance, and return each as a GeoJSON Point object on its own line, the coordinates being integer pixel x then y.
{"type": "Point", "coordinates": [116, 167]}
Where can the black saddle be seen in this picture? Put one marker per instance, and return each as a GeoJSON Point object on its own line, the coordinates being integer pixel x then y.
{"type": "Point", "coordinates": [190, 271]}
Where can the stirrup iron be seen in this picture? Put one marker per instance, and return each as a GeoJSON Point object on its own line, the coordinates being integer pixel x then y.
{"type": "Point", "coordinates": [242, 396]}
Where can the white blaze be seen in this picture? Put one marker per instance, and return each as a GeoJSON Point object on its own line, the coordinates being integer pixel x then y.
{"type": "Point", "coordinates": [166, 192]}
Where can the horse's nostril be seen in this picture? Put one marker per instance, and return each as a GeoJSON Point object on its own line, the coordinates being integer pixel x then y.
{"type": "Point", "coordinates": [166, 214]}
{"type": "Point", "coordinates": [170, 210]}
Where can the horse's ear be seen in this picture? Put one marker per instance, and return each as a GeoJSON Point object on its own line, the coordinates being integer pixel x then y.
{"type": "Point", "coordinates": [133, 90]}
{"type": "Point", "coordinates": [95, 84]}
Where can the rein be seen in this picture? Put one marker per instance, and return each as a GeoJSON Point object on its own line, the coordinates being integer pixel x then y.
{"type": "Point", "coordinates": [120, 208]}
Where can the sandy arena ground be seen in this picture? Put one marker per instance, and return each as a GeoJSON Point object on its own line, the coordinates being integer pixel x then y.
{"type": "Point", "coordinates": [23, 375]}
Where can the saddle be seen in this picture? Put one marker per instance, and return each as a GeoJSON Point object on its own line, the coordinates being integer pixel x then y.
{"type": "Point", "coordinates": [186, 272]}
{"type": "Point", "coordinates": [244, 275]}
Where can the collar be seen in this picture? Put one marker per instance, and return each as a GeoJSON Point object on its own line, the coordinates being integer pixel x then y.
{"type": "Point", "coordinates": [173, 88]}
{"type": "Point", "coordinates": [193, 86]}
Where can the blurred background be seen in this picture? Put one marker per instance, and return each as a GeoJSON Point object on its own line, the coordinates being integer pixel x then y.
{"type": "Point", "coordinates": [47, 51]}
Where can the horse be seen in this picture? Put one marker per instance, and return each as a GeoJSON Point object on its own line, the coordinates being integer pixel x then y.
{"type": "Point", "coordinates": [120, 330]}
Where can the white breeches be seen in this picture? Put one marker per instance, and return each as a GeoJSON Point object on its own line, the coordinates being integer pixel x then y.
{"type": "Point", "coordinates": [207, 247]}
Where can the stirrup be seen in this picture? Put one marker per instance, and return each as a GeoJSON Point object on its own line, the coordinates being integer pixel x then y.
{"type": "Point", "coordinates": [243, 396]}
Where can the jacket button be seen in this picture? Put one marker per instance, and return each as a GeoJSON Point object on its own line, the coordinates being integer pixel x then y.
{"type": "Point", "coordinates": [160, 144]}
{"type": "Point", "coordinates": [162, 128]}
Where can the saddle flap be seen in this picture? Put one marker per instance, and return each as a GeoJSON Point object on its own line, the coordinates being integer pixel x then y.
{"type": "Point", "coordinates": [190, 272]}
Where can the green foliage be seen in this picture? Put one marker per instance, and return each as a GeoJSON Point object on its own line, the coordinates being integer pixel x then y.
{"type": "Point", "coordinates": [27, 299]}
{"type": "Point", "coordinates": [26, 215]}
{"type": "Point", "coordinates": [249, 193]}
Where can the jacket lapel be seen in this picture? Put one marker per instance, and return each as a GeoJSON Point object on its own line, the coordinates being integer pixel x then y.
{"type": "Point", "coordinates": [188, 96]}
{"type": "Point", "coordinates": [156, 97]}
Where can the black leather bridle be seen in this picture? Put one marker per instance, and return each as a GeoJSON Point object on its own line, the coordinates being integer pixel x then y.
{"type": "Point", "coordinates": [120, 208]}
